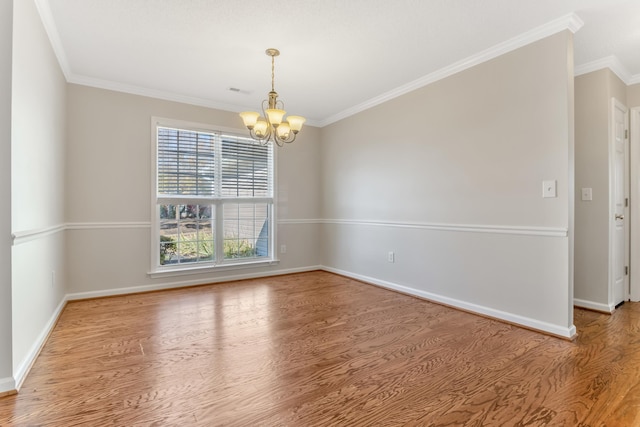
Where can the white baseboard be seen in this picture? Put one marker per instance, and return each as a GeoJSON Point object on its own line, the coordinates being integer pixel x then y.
{"type": "Point", "coordinates": [595, 306]}
{"type": "Point", "coordinates": [527, 322]}
{"type": "Point", "coordinates": [186, 283]}
{"type": "Point", "coordinates": [7, 385]}
{"type": "Point", "coordinates": [23, 368]}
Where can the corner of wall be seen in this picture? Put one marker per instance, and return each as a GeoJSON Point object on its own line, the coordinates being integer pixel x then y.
{"type": "Point", "coordinates": [6, 70]}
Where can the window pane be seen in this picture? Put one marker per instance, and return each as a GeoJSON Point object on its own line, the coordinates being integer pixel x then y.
{"type": "Point", "coordinates": [246, 168]}
{"type": "Point", "coordinates": [186, 233]}
{"type": "Point", "coordinates": [186, 162]}
{"type": "Point", "coordinates": [206, 245]}
{"type": "Point", "coordinates": [246, 230]}
{"type": "Point", "coordinates": [195, 165]}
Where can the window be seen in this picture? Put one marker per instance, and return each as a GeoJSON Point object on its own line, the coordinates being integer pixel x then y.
{"type": "Point", "coordinates": [214, 199]}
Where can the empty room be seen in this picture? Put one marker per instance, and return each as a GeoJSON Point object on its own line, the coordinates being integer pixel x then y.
{"type": "Point", "coordinates": [319, 213]}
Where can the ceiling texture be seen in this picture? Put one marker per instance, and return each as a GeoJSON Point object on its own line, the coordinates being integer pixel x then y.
{"type": "Point", "coordinates": [338, 57]}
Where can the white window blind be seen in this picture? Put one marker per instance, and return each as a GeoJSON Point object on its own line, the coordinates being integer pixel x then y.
{"type": "Point", "coordinates": [245, 168]}
{"type": "Point", "coordinates": [187, 165]}
{"type": "Point", "coordinates": [186, 162]}
{"type": "Point", "coordinates": [214, 198]}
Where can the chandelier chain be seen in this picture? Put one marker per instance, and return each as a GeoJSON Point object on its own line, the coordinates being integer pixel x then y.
{"type": "Point", "coordinates": [273, 73]}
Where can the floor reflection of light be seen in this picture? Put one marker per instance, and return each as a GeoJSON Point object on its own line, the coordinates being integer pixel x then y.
{"type": "Point", "coordinates": [197, 331]}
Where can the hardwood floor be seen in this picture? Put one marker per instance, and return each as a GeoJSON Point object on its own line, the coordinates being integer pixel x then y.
{"type": "Point", "coordinates": [316, 349]}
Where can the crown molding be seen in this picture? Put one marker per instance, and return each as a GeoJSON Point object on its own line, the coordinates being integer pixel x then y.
{"type": "Point", "coordinates": [54, 37]}
{"type": "Point", "coordinates": [161, 94]}
{"type": "Point", "coordinates": [152, 93]}
{"type": "Point", "coordinates": [46, 16]}
{"type": "Point", "coordinates": [569, 22]}
{"type": "Point", "coordinates": [612, 63]}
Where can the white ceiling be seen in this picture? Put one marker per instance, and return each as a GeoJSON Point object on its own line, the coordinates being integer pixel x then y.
{"type": "Point", "coordinates": [337, 56]}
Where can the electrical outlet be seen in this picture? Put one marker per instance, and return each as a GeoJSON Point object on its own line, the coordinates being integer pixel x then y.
{"type": "Point", "coordinates": [391, 257]}
{"type": "Point", "coordinates": [549, 189]}
{"type": "Point", "coordinates": [283, 249]}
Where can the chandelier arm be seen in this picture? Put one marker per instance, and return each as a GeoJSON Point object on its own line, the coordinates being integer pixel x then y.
{"type": "Point", "coordinates": [282, 141]}
{"type": "Point", "coordinates": [264, 113]}
{"type": "Point", "coordinates": [258, 138]}
{"type": "Point", "coordinates": [271, 132]}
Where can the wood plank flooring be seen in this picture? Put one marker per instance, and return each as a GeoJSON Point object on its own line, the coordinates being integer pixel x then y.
{"type": "Point", "coordinates": [317, 349]}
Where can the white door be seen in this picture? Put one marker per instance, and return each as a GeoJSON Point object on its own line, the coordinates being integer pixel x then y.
{"type": "Point", "coordinates": [634, 204]}
{"type": "Point", "coordinates": [620, 252]}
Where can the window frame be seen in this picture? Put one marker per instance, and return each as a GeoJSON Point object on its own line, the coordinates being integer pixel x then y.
{"type": "Point", "coordinates": [217, 203]}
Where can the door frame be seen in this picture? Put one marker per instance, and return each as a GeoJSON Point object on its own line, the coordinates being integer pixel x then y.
{"type": "Point", "coordinates": [634, 203]}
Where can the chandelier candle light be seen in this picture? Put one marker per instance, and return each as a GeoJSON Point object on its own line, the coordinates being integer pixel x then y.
{"type": "Point", "coordinates": [272, 125]}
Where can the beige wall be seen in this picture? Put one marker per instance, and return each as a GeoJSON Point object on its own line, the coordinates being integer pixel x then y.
{"type": "Point", "coordinates": [633, 96]}
{"type": "Point", "coordinates": [592, 171]}
{"type": "Point", "coordinates": [593, 100]}
{"type": "Point", "coordinates": [37, 183]}
{"type": "Point", "coordinates": [6, 344]}
{"type": "Point", "coordinates": [347, 194]}
{"type": "Point", "coordinates": [469, 150]}
{"type": "Point", "coordinates": [617, 88]}
{"type": "Point", "coordinates": [108, 186]}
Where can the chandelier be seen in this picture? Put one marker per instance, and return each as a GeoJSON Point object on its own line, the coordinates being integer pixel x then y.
{"type": "Point", "coordinates": [272, 125]}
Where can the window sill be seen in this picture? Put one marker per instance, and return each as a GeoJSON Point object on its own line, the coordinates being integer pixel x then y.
{"type": "Point", "coordinates": [203, 269]}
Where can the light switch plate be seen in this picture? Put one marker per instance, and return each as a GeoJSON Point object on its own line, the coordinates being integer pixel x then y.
{"type": "Point", "coordinates": [587, 194]}
{"type": "Point", "coordinates": [549, 189]}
